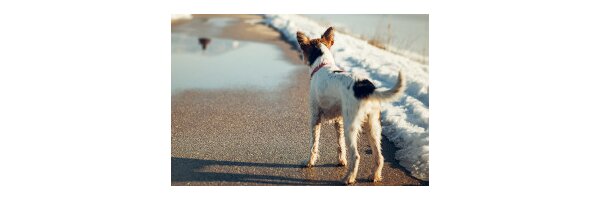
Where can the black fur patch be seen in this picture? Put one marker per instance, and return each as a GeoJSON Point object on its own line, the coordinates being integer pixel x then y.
{"type": "Point", "coordinates": [313, 55]}
{"type": "Point", "coordinates": [363, 88]}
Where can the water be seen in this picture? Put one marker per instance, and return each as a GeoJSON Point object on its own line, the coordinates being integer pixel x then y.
{"type": "Point", "coordinates": [225, 64]}
{"type": "Point", "coordinates": [404, 32]}
{"type": "Point", "coordinates": [205, 26]}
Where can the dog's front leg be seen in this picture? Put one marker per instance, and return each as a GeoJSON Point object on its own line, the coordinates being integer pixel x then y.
{"type": "Point", "coordinates": [315, 126]}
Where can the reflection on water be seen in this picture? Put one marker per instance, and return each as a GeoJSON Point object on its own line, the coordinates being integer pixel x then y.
{"type": "Point", "coordinates": [182, 42]}
{"type": "Point", "coordinates": [225, 64]}
{"type": "Point", "coordinates": [204, 42]}
{"type": "Point", "coordinates": [204, 27]}
{"type": "Point", "coordinates": [220, 22]}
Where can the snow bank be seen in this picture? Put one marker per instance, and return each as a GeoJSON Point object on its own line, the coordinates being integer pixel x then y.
{"type": "Point", "coordinates": [406, 121]}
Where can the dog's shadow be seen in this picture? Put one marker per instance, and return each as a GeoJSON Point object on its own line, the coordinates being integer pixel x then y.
{"type": "Point", "coordinates": [193, 170]}
{"type": "Point", "coordinates": [190, 170]}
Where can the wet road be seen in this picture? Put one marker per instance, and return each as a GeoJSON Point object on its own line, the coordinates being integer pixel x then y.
{"type": "Point", "coordinates": [253, 135]}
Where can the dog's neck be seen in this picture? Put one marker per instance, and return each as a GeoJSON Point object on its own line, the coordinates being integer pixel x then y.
{"type": "Point", "coordinates": [322, 61]}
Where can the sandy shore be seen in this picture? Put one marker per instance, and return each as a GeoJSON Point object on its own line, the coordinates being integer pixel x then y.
{"type": "Point", "coordinates": [259, 137]}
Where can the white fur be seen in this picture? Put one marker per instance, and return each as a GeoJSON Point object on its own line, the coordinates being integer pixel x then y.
{"type": "Point", "coordinates": [332, 100]}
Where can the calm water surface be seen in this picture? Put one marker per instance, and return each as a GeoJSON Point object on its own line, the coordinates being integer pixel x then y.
{"type": "Point", "coordinates": [224, 63]}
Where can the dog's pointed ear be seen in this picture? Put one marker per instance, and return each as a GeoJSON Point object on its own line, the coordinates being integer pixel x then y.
{"type": "Point", "coordinates": [327, 37]}
{"type": "Point", "coordinates": [302, 39]}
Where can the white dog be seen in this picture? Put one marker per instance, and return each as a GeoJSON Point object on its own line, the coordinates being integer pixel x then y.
{"type": "Point", "coordinates": [345, 99]}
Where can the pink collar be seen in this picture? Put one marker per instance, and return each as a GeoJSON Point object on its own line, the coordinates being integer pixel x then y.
{"type": "Point", "coordinates": [317, 69]}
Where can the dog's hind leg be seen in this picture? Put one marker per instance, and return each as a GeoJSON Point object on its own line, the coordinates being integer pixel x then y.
{"type": "Point", "coordinates": [315, 126]}
{"type": "Point", "coordinates": [351, 129]}
{"type": "Point", "coordinates": [339, 128]}
{"type": "Point", "coordinates": [375, 142]}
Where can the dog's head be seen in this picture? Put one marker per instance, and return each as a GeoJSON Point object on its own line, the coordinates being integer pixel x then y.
{"type": "Point", "coordinates": [311, 48]}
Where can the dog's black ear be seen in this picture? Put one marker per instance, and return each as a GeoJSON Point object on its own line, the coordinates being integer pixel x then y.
{"type": "Point", "coordinates": [327, 37]}
{"type": "Point", "coordinates": [302, 39]}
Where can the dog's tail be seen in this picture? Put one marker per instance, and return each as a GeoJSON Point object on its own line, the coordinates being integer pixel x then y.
{"type": "Point", "coordinates": [392, 94]}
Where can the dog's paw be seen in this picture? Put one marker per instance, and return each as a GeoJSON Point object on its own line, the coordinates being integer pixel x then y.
{"type": "Point", "coordinates": [377, 178]}
{"type": "Point", "coordinates": [350, 181]}
{"type": "Point", "coordinates": [342, 163]}
{"type": "Point", "coordinates": [309, 165]}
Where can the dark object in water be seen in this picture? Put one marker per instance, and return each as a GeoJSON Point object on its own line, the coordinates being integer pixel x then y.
{"type": "Point", "coordinates": [204, 42]}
